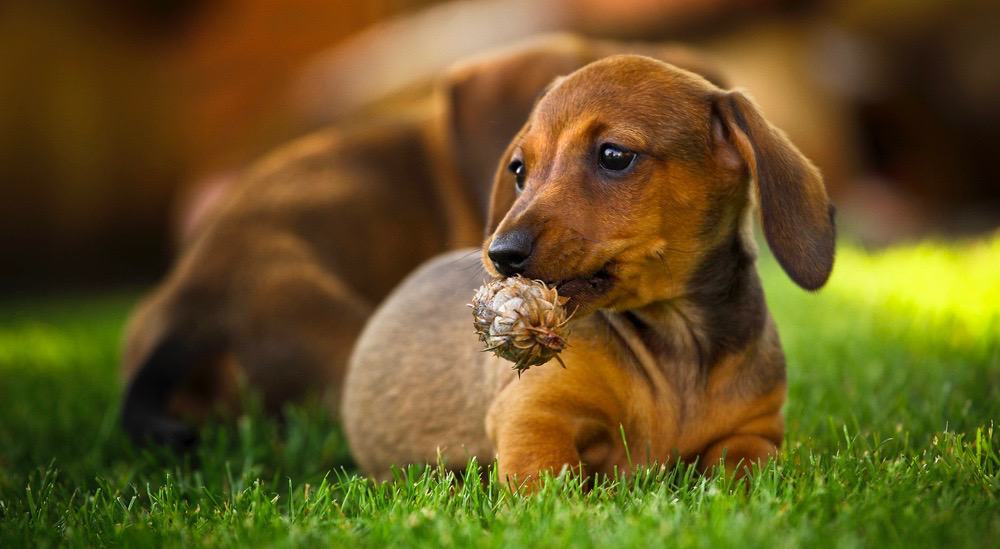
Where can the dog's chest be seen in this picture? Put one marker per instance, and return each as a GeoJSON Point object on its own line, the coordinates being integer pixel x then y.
{"type": "Point", "coordinates": [685, 403]}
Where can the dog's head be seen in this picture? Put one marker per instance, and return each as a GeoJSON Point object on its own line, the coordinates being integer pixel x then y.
{"type": "Point", "coordinates": [489, 97]}
{"type": "Point", "coordinates": [629, 170]}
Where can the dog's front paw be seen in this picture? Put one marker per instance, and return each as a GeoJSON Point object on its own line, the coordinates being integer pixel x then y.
{"type": "Point", "coordinates": [738, 454]}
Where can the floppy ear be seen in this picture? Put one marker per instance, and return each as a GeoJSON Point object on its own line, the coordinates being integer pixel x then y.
{"type": "Point", "coordinates": [488, 99]}
{"type": "Point", "coordinates": [796, 214]}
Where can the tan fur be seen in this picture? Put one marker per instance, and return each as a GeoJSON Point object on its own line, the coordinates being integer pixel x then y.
{"type": "Point", "coordinates": [677, 358]}
{"type": "Point", "coordinates": [276, 285]}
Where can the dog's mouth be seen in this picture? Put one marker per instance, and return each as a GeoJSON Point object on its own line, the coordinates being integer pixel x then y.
{"type": "Point", "coordinates": [584, 289]}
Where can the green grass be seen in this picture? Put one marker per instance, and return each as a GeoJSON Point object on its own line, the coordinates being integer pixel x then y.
{"type": "Point", "coordinates": [894, 390]}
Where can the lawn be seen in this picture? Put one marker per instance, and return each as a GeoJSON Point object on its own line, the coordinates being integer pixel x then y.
{"type": "Point", "coordinates": [894, 392]}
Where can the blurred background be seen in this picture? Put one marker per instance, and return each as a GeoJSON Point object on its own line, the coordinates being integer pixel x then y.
{"type": "Point", "coordinates": [119, 120]}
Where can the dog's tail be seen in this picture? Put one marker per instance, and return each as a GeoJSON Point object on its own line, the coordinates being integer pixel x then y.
{"type": "Point", "coordinates": [163, 349]}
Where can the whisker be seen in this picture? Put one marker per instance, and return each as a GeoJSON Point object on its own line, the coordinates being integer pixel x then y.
{"type": "Point", "coordinates": [481, 272]}
{"type": "Point", "coordinates": [466, 255]}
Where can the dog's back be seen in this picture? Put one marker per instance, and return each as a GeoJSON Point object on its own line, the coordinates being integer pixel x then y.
{"type": "Point", "coordinates": [454, 383]}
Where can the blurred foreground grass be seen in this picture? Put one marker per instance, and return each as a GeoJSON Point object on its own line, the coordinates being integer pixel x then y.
{"type": "Point", "coordinates": [894, 374]}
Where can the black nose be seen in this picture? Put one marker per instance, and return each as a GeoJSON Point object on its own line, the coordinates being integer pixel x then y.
{"type": "Point", "coordinates": [509, 252]}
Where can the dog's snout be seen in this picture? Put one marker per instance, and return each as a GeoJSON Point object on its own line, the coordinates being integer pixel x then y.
{"type": "Point", "coordinates": [510, 251]}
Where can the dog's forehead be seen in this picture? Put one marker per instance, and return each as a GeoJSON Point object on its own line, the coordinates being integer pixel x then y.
{"type": "Point", "coordinates": [625, 77]}
{"type": "Point", "coordinates": [627, 89]}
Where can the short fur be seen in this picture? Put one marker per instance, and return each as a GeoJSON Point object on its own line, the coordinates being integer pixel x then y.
{"type": "Point", "coordinates": [275, 287]}
{"type": "Point", "coordinates": [672, 344]}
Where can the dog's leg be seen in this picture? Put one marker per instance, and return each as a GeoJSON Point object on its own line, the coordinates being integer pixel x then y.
{"type": "Point", "coordinates": [288, 329]}
{"type": "Point", "coordinates": [534, 444]}
{"type": "Point", "coordinates": [551, 420]}
{"type": "Point", "coordinates": [755, 443]}
{"type": "Point", "coordinates": [295, 328]}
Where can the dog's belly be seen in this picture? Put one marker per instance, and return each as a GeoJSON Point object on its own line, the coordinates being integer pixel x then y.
{"type": "Point", "coordinates": [418, 386]}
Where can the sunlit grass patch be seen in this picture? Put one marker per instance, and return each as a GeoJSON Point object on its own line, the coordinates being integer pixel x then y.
{"type": "Point", "coordinates": [954, 285]}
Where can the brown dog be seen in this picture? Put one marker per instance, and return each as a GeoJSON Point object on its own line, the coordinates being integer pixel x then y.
{"type": "Point", "coordinates": [631, 190]}
{"type": "Point", "coordinates": [280, 279]}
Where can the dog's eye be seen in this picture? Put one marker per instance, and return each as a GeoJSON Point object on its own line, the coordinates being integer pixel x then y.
{"type": "Point", "coordinates": [516, 167]}
{"type": "Point", "coordinates": [614, 158]}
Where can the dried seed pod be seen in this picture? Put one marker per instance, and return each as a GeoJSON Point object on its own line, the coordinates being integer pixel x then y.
{"type": "Point", "coordinates": [520, 320]}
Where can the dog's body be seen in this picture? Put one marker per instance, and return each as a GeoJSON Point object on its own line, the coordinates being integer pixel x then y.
{"type": "Point", "coordinates": [673, 353]}
{"type": "Point", "coordinates": [276, 288]}
{"type": "Point", "coordinates": [279, 279]}
{"type": "Point", "coordinates": [461, 403]}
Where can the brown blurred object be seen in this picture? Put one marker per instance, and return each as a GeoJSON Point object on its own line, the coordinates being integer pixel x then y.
{"type": "Point", "coordinates": [892, 99]}
{"type": "Point", "coordinates": [106, 108]}
{"type": "Point", "coordinates": [895, 100]}
{"type": "Point", "coordinates": [86, 158]}
{"type": "Point", "coordinates": [237, 58]}
{"type": "Point", "coordinates": [110, 111]}
{"type": "Point", "coordinates": [403, 52]}
{"type": "Point", "coordinates": [923, 79]}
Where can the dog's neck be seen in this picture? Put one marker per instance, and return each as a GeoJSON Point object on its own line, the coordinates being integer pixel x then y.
{"type": "Point", "coordinates": [722, 311]}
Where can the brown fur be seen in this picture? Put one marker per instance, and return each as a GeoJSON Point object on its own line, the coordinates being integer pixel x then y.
{"type": "Point", "coordinates": [672, 346]}
{"type": "Point", "coordinates": [279, 279]}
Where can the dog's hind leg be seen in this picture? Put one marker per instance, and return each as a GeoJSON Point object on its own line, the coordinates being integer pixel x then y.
{"type": "Point", "coordinates": [294, 326]}
{"type": "Point", "coordinates": [284, 328]}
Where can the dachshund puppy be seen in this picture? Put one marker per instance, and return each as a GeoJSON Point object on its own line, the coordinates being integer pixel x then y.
{"type": "Point", "coordinates": [631, 189]}
{"type": "Point", "coordinates": [277, 283]}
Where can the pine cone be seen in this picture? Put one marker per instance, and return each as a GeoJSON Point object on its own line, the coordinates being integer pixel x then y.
{"type": "Point", "coordinates": [520, 320]}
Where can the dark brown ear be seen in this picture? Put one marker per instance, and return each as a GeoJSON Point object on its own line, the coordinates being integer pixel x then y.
{"type": "Point", "coordinates": [796, 214]}
{"type": "Point", "coordinates": [488, 99]}
{"type": "Point", "coordinates": [502, 195]}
